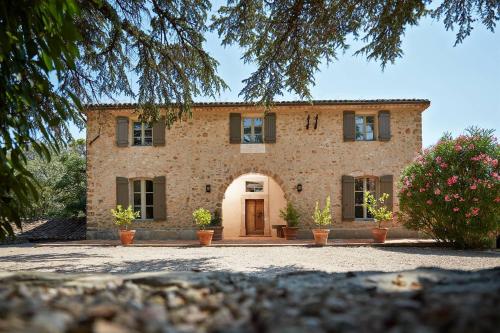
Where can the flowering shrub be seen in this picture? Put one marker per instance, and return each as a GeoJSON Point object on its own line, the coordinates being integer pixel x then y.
{"type": "Point", "coordinates": [202, 218]}
{"type": "Point", "coordinates": [452, 190]}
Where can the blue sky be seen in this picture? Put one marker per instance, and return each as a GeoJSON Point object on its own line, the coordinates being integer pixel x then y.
{"type": "Point", "coordinates": [462, 82]}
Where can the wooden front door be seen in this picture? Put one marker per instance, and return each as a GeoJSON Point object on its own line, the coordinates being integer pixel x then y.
{"type": "Point", "coordinates": [254, 216]}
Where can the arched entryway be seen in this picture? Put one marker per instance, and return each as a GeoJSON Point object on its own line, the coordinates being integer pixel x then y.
{"type": "Point", "coordinates": [251, 206]}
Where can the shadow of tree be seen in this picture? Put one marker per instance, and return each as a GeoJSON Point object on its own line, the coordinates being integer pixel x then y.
{"type": "Point", "coordinates": [48, 257]}
{"type": "Point", "coordinates": [443, 251]}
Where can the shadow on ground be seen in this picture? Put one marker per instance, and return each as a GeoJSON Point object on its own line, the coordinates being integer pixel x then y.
{"type": "Point", "coordinates": [443, 252]}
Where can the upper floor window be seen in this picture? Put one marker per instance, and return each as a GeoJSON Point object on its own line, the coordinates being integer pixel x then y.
{"type": "Point", "coordinates": [143, 198]}
{"type": "Point", "coordinates": [365, 128]}
{"type": "Point", "coordinates": [143, 134]}
{"type": "Point", "coordinates": [252, 130]}
{"type": "Point", "coordinates": [254, 186]}
{"type": "Point", "coordinates": [362, 185]}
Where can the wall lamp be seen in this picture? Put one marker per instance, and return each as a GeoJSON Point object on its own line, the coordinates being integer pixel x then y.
{"type": "Point", "coordinates": [208, 188]}
{"type": "Point", "coordinates": [299, 187]}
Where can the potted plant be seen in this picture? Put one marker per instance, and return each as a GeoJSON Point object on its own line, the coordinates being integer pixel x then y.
{"type": "Point", "coordinates": [123, 218]}
{"type": "Point", "coordinates": [322, 218]}
{"type": "Point", "coordinates": [216, 225]}
{"type": "Point", "coordinates": [380, 213]}
{"type": "Point", "coordinates": [291, 216]}
{"type": "Point", "coordinates": [202, 218]}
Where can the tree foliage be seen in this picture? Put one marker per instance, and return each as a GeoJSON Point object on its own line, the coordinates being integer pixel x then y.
{"type": "Point", "coordinates": [287, 40]}
{"type": "Point", "coordinates": [452, 190]}
{"type": "Point", "coordinates": [62, 181]}
{"type": "Point", "coordinates": [57, 55]}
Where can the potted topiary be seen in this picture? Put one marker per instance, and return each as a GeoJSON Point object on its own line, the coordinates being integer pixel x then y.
{"type": "Point", "coordinates": [202, 218]}
{"type": "Point", "coordinates": [291, 216]}
{"type": "Point", "coordinates": [123, 218]}
{"type": "Point", "coordinates": [380, 213]}
{"type": "Point", "coordinates": [216, 225]}
{"type": "Point", "coordinates": [322, 218]}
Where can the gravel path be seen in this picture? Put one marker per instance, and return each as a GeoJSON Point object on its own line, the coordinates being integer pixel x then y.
{"type": "Point", "coordinates": [262, 261]}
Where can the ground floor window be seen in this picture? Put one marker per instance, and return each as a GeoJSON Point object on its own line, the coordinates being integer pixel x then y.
{"type": "Point", "coordinates": [361, 185]}
{"type": "Point", "coordinates": [143, 198]}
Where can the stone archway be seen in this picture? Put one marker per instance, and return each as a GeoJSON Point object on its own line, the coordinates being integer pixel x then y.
{"type": "Point", "coordinates": [237, 198]}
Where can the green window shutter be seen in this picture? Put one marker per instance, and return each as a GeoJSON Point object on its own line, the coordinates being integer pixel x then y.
{"type": "Point", "coordinates": [122, 192]}
{"type": "Point", "coordinates": [384, 125]}
{"type": "Point", "coordinates": [159, 132]}
{"type": "Point", "coordinates": [122, 131]}
{"type": "Point", "coordinates": [235, 128]}
{"type": "Point", "coordinates": [349, 126]}
{"type": "Point", "coordinates": [386, 186]}
{"type": "Point", "coordinates": [348, 198]}
{"type": "Point", "coordinates": [270, 127]}
{"type": "Point", "coordinates": [159, 199]}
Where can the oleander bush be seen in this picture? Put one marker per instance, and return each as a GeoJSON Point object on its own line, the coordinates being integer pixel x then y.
{"type": "Point", "coordinates": [452, 190]}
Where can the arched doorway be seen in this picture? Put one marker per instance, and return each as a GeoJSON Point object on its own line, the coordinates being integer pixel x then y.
{"type": "Point", "coordinates": [251, 206]}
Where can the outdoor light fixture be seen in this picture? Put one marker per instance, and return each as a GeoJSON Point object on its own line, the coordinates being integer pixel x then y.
{"type": "Point", "coordinates": [207, 188]}
{"type": "Point", "coordinates": [299, 187]}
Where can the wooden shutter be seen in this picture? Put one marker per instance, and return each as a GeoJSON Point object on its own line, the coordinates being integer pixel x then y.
{"type": "Point", "coordinates": [270, 127]}
{"type": "Point", "coordinates": [235, 128]}
{"type": "Point", "coordinates": [122, 192]}
{"type": "Point", "coordinates": [159, 199]}
{"type": "Point", "coordinates": [122, 131]}
{"type": "Point", "coordinates": [159, 132]}
{"type": "Point", "coordinates": [386, 186]}
{"type": "Point", "coordinates": [348, 198]}
{"type": "Point", "coordinates": [384, 125]}
{"type": "Point", "coordinates": [349, 126]}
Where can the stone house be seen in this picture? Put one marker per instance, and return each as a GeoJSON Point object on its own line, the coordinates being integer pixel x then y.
{"type": "Point", "coordinates": [245, 163]}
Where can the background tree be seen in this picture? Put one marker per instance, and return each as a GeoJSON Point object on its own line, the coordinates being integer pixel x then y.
{"type": "Point", "coordinates": [56, 55]}
{"type": "Point", "coordinates": [62, 181]}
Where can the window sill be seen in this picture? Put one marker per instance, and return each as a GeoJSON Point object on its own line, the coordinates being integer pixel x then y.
{"type": "Point", "coordinates": [144, 220]}
{"type": "Point", "coordinates": [363, 220]}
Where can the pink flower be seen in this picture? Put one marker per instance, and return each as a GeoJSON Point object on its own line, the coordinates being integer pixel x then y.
{"type": "Point", "coordinates": [447, 198]}
{"type": "Point", "coordinates": [439, 159]}
{"type": "Point", "coordinates": [461, 200]}
{"type": "Point", "coordinates": [473, 187]}
{"type": "Point", "coordinates": [456, 209]}
{"type": "Point", "coordinates": [452, 180]}
{"type": "Point", "coordinates": [437, 191]}
{"type": "Point", "coordinates": [443, 165]}
{"type": "Point", "coordinates": [467, 215]}
{"type": "Point", "coordinates": [456, 196]}
{"type": "Point", "coordinates": [429, 202]}
{"type": "Point", "coordinates": [497, 199]}
{"type": "Point", "coordinates": [458, 147]}
{"type": "Point", "coordinates": [475, 211]}
{"type": "Point", "coordinates": [494, 163]}
{"type": "Point", "coordinates": [422, 189]}
{"type": "Point", "coordinates": [471, 146]}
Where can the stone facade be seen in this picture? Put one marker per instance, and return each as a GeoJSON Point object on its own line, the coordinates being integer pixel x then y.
{"type": "Point", "coordinates": [198, 153]}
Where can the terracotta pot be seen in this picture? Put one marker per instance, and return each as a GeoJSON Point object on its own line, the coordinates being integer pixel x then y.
{"type": "Point", "coordinates": [290, 232]}
{"type": "Point", "coordinates": [217, 233]}
{"type": "Point", "coordinates": [127, 237]}
{"type": "Point", "coordinates": [379, 234]}
{"type": "Point", "coordinates": [320, 236]}
{"type": "Point", "coordinates": [205, 237]}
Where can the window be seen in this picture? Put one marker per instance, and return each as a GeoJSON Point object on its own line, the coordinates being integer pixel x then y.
{"type": "Point", "coordinates": [254, 187]}
{"type": "Point", "coordinates": [365, 128]}
{"type": "Point", "coordinates": [143, 198]}
{"type": "Point", "coordinates": [143, 134]}
{"type": "Point", "coordinates": [252, 130]}
{"type": "Point", "coordinates": [360, 186]}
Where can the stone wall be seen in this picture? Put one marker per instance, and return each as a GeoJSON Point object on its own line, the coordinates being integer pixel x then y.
{"type": "Point", "coordinates": [198, 153]}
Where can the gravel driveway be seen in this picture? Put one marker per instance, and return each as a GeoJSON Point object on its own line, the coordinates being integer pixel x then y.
{"type": "Point", "coordinates": [255, 260]}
